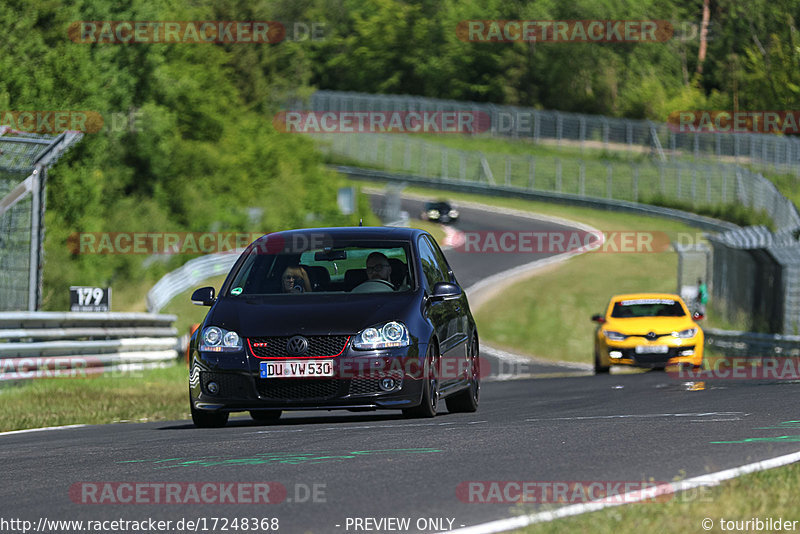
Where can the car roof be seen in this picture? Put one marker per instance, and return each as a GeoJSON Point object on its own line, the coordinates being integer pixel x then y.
{"type": "Point", "coordinates": [388, 233]}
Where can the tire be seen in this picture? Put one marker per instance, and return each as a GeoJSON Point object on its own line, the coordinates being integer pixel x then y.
{"type": "Point", "coordinates": [430, 390]}
{"type": "Point", "coordinates": [265, 416]}
{"type": "Point", "coordinates": [467, 401]}
{"type": "Point", "coordinates": [204, 419]}
{"type": "Point", "coordinates": [599, 369]}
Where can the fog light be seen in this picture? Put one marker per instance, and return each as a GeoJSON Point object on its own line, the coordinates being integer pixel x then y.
{"type": "Point", "coordinates": [688, 352]}
{"type": "Point", "coordinates": [615, 354]}
{"type": "Point", "coordinates": [387, 384]}
{"type": "Point", "coordinates": [213, 388]}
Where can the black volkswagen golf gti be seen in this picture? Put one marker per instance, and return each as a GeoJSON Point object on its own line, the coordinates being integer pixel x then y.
{"type": "Point", "coordinates": [335, 318]}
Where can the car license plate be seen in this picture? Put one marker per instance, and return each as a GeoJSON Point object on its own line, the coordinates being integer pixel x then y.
{"type": "Point", "coordinates": [652, 349]}
{"type": "Point", "coordinates": [296, 369]}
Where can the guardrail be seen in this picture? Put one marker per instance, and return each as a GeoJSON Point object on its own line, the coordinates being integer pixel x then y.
{"type": "Point", "coordinates": [187, 276]}
{"type": "Point", "coordinates": [698, 221]}
{"type": "Point", "coordinates": [59, 344]}
{"type": "Point", "coordinates": [735, 343]}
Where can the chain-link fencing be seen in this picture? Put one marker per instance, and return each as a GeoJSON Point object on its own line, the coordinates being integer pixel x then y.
{"type": "Point", "coordinates": [24, 160]}
{"type": "Point", "coordinates": [766, 151]}
{"type": "Point", "coordinates": [680, 184]}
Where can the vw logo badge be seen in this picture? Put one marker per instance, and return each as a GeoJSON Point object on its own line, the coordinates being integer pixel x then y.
{"type": "Point", "coordinates": [297, 345]}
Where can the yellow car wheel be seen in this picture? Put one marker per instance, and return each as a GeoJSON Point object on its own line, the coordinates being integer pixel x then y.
{"type": "Point", "coordinates": [598, 368]}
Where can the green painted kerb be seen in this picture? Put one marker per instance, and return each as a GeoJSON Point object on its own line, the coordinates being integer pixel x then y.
{"type": "Point", "coordinates": [290, 458]}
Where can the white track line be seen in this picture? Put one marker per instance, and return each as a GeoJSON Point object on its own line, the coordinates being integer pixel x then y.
{"type": "Point", "coordinates": [42, 429]}
{"type": "Point", "coordinates": [712, 479]}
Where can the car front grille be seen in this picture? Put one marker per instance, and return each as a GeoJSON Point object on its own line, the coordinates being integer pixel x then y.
{"type": "Point", "coordinates": [654, 359]}
{"type": "Point", "coordinates": [318, 346]}
{"type": "Point", "coordinates": [298, 388]}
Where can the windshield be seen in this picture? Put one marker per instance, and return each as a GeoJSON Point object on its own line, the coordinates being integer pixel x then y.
{"type": "Point", "coordinates": [647, 308]}
{"type": "Point", "coordinates": [339, 267]}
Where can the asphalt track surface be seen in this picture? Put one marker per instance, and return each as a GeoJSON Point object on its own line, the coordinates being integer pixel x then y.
{"type": "Point", "coordinates": [345, 472]}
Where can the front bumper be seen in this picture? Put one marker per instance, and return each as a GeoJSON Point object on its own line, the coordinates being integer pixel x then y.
{"type": "Point", "coordinates": [679, 352]}
{"type": "Point", "coordinates": [650, 361]}
{"type": "Point", "coordinates": [233, 383]}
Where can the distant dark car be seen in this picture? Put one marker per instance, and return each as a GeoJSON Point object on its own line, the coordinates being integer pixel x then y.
{"type": "Point", "coordinates": [336, 339]}
{"type": "Point", "coordinates": [440, 211]}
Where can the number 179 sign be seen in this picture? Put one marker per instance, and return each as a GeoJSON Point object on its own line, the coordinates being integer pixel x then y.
{"type": "Point", "coordinates": [82, 298]}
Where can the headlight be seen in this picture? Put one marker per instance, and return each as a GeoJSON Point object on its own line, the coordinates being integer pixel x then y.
{"type": "Point", "coordinates": [391, 334]}
{"type": "Point", "coordinates": [614, 336]}
{"type": "Point", "coordinates": [453, 214]}
{"type": "Point", "coordinates": [433, 214]}
{"type": "Point", "coordinates": [216, 339]}
{"type": "Point", "coordinates": [685, 334]}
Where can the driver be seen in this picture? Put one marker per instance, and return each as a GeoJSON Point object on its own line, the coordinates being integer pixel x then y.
{"type": "Point", "coordinates": [378, 267]}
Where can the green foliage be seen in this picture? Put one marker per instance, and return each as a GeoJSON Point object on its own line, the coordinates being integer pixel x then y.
{"type": "Point", "coordinates": [735, 213]}
{"type": "Point", "coordinates": [201, 152]}
{"type": "Point", "coordinates": [204, 150]}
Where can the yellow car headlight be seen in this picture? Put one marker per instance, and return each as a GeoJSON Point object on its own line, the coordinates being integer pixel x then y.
{"type": "Point", "coordinates": [614, 336]}
{"type": "Point", "coordinates": [685, 334]}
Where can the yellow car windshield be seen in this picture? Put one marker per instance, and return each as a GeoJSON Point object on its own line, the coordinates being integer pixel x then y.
{"type": "Point", "coordinates": [647, 308]}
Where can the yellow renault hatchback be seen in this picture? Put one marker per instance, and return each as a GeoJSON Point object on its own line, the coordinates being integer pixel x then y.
{"type": "Point", "coordinates": [650, 330]}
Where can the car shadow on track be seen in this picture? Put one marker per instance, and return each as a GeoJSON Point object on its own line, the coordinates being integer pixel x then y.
{"type": "Point", "coordinates": [288, 420]}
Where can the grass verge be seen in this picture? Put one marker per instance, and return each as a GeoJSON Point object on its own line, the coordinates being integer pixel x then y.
{"type": "Point", "coordinates": [762, 495]}
{"type": "Point", "coordinates": [151, 395]}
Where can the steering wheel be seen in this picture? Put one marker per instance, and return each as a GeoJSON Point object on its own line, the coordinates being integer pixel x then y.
{"type": "Point", "coordinates": [368, 285]}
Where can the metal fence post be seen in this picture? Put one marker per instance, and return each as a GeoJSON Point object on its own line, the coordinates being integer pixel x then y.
{"type": "Point", "coordinates": [531, 172]}
{"type": "Point", "coordinates": [34, 273]}
{"type": "Point", "coordinates": [558, 175]}
{"type": "Point", "coordinates": [559, 128]}
{"type": "Point", "coordinates": [581, 178]}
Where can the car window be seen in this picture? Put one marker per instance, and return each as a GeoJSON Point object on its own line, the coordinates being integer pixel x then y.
{"type": "Point", "coordinates": [647, 308]}
{"type": "Point", "coordinates": [431, 268]}
{"type": "Point", "coordinates": [441, 261]}
{"type": "Point", "coordinates": [337, 268]}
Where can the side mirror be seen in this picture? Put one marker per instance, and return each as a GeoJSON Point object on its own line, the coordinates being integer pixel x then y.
{"type": "Point", "coordinates": [445, 291]}
{"type": "Point", "coordinates": [597, 318]}
{"type": "Point", "coordinates": [203, 296]}
{"type": "Point", "coordinates": [697, 316]}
